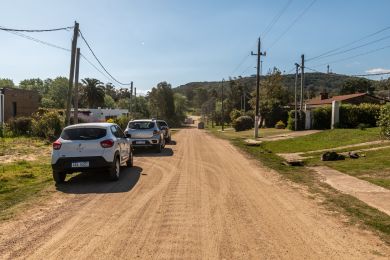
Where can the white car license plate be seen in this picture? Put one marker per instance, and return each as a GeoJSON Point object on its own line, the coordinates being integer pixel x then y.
{"type": "Point", "coordinates": [80, 164]}
{"type": "Point", "coordinates": [139, 142]}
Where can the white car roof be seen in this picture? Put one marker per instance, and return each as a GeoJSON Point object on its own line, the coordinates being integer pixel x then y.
{"type": "Point", "coordinates": [143, 120]}
{"type": "Point", "coordinates": [84, 125]}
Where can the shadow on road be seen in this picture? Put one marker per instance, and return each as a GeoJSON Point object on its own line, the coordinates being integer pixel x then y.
{"type": "Point", "coordinates": [150, 153]}
{"type": "Point", "coordinates": [97, 182]}
{"type": "Point", "coordinates": [172, 142]}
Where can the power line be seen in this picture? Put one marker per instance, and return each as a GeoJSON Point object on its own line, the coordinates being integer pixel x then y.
{"type": "Point", "coordinates": [354, 48]}
{"type": "Point", "coordinates": [38, 41]}
{"type": "Point", "coordinates": [94, 66]}
{"type": "Point", "coordinates": [243, 60]}
{"type": "Point", "coordinates": [354, 75]}
{"type": "Point", "coordinates": [276, 19]}
{"type": "Point", "coordinates": [292, 24]}
{"type": "Point", "coordinates": [354, 56]}
{"type": "Point", "coordinates": [97, 59]}
{"type": "Point", "coordinates": [35, 30]}
{"type": "Point", "coordinates": [350, 43]}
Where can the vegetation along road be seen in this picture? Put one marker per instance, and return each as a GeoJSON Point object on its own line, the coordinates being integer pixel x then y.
{"type": "Point", "coordinates": [201, 198]}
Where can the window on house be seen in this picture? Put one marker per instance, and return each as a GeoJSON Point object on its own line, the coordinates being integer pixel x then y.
{"type": "Point", "coordinates": [14, 109]}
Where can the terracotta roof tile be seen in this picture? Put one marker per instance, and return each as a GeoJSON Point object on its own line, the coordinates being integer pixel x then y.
{"type": "Point", "coordinates": [317, 101]}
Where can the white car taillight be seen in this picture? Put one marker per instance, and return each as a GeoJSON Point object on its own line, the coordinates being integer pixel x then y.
{"type": "Point", "coordinates": [107, 143]}
{"type": "Point", "coordinates": [57, 145]}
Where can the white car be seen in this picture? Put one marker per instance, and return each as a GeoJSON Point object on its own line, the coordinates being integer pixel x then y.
{"type": "Point", "coordinates": [83, 147]}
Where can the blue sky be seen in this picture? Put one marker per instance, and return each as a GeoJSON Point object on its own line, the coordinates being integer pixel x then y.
{"type": "Point", "coordinates": [183, 41]}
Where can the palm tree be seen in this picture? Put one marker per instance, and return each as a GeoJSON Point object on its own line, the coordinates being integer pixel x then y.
{"type": "Point", "coordinates": [93, 92]}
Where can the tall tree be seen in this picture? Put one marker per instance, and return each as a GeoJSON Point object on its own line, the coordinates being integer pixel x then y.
{"type": "Point", "coordinates": [161, 101]}
{"type": "Point", "coordinates": [356, 85]}
{"type": "Point", "coordinates": [6, 83]}
{"type": "Point", "coordinates": [93, 92]}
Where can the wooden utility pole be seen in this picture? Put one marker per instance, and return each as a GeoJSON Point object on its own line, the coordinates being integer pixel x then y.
{"type": "Point", "coordinates": [295, 98]}
{"type": "Point", "coordinates": [131, 97]}
{"type": "Point", "coordinates": [71, 73]}
{"type": "Point", "coordinates": [135, 99]}
{"type": "Point", "coordinates": [76, 89]}
{"type": "Point", "coordinates": [222, 116]}
{"type": "Point", "coordinates": [302, 79]}
{"type": "Point", "coordinates": [257, 115]}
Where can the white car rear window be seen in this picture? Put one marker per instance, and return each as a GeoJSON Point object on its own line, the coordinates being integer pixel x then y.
{"type": "Point", "coordinates": [83, 133]}
{"type": "Point", "coordinates": [141, 125]}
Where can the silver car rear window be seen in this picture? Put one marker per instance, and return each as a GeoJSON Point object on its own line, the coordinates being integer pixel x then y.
{"type": "Point", "coordinates": [83, 133]}
{"type": "Point", "coordinates": [141, 125]}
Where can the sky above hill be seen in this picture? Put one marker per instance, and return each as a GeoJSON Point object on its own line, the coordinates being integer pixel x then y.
{"type": "Point", "coordinates": [182, 41]}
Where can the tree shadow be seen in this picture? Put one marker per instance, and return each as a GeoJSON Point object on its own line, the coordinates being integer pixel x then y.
{"type": "Point", "coordinates": [150, 153]}
{"type": "Point", "coordinates": [98, 182]}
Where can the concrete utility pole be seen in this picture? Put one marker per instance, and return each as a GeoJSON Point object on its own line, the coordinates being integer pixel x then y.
{"type": "Point", "coordinates": [302, 79]}
{"type": "Point", "coordinates": [71, 73]}
{"type": "Point", "coordinates": [222, 116]}
{"type": "Point", "coordinates": [76, 89]}
{"type": "Point", "coordinates": [258, 54]}
{"type": "Point", "coordinates": [295, 98]}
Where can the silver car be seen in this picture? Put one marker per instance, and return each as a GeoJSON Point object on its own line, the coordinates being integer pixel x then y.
{"type": "Point", "coordinates": [145, 133]}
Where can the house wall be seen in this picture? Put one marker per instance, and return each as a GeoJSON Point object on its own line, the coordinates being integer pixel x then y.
{"type": "Point", "coordinates": [19, 102]}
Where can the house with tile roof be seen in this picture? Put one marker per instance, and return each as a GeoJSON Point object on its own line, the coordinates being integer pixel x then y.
{"type": "Point", "coordinates": [355, 99]}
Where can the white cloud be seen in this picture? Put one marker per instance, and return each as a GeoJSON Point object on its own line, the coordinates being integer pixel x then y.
{"type": "Point", "coordinates": [377, 70]}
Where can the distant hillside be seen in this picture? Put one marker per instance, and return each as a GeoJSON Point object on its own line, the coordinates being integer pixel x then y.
{"type": "Point", "coordinates": [315, 83]}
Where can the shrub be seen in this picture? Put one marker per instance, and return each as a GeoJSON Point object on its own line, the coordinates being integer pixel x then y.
{"type": "Point", "coordinates": [275, 115]}
{"type": "Point", "coordinates": [301, 120]}
{"type": "Point", "coordinates": [47, 124]}
{"type": "Point", "coordinates": [20, 125]}
{"type": "Point", "coordinates": [251, 114]}
{"type": "Point", "coordinates": [353, 115]}
{"type": "Point", "coordinates": [280, 125]}
{"type": "Point", "coordinates": [384, 121]}
{"type": "Point", "coordinates": [322, 118]}
{"type": "Point", "coordinates": [122, 121]}
{"type": "Point", "coordinates": [235, 113]}
{"type": "Point", "coordinates": [243, 123]}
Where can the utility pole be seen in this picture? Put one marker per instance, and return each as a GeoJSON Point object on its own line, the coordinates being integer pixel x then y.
{"type": "Point", "coordinates": [328, 68]}
{"type": "Point", "coordinates": [222, 117]}
{"type": "Point", "coordinates": [131, 96]}
{"type": "Point", "coordinates": [258, 54]}
{"type": "Point", "coordinates": [76, 89]}
{"type": "Point", "coordinates": [135, 99]}
{"type": "Point", "coordinates": [71, 73]}
{"type": "Point", "coordinates": [302, 79]}
{"type": "Point", "coordinates": [295, 98]}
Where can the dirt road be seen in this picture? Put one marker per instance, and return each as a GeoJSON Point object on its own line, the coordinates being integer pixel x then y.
{"type": "Point", "coordinates": [200, 199]}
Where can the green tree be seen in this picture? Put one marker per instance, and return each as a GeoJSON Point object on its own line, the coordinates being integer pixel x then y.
{"type": "Point", "coordinates": [93, 92]}
{"type": "Point", "coordinates": [109, 102]}
{"type": "Point", "coordinates": [55, 97]}
{"type": "Point", "coordinates": [161, 102]}
{"type": "Point", "coordinates": [6, 83]}
{"type": "Point", "coordinates": [356, 85]}
{"type": "Point", "coordinates": [34, 84]}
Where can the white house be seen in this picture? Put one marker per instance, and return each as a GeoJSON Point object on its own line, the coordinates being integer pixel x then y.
{"type": "Point", "coordinates": [99, 114]}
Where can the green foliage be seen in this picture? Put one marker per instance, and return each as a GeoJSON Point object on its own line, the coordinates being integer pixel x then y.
{"type": "Point", "coordinates": [20, 125]}
{"type": "Point", "coordinates": [357, 85]}
{"type": "Point", "coordinates": [6, 83]}
{"type": "Point", "coordinates": [322, 117]}
{"type": "Point", "coordinates": [301, 118]}
{"type": "Point", "coordinates": [243, 123]}
{"type": "Point", "coordinates": [122, 121]}
{"type": "Point", "coordinates": [384, 121]}
{"type": "Point", "coordinates": [93, 92]}
{"type": "Point", "coordinates": [280, 125]}
{"type": "Point", "coordinates": [235, 113]}
{"type": "Point", "coordinates": [47, 124]}
{"type": "Point", "coordinates": [109, 102]}
{"type": "Point", "coordinates": [353, 115]}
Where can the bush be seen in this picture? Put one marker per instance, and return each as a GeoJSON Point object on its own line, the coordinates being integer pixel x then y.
{"type": "Point", "coordinates": [384, 121]}
{"type": "Point", "coordinates": [251, 114]}
{"type": "Point", "coordinates": [235, 113]}
{"type": "Point", "coordinates": [280, 125]}
{"type": "Point", "coordinates": [353, 115]}
{"type": "Point", "coordinates": [243, 123]}
{"type": "Point", "coordinates": [322, 118]}
{"type": "Point", "coordinates": [20, 125]}
{"type": "Point", "coordinates": [274, 116]}
{"type": "Point", "coordinates": [301, 120]}
{"type": "Point", "coordinates": [47, 124]}
{"type": "Point", "coordinates": [122, 121]}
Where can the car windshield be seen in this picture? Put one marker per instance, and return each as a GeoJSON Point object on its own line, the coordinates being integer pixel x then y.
{"type": "Point", "coordinates": [141, 125]}
{"type": "Point", "coordinates": [83, 133]}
